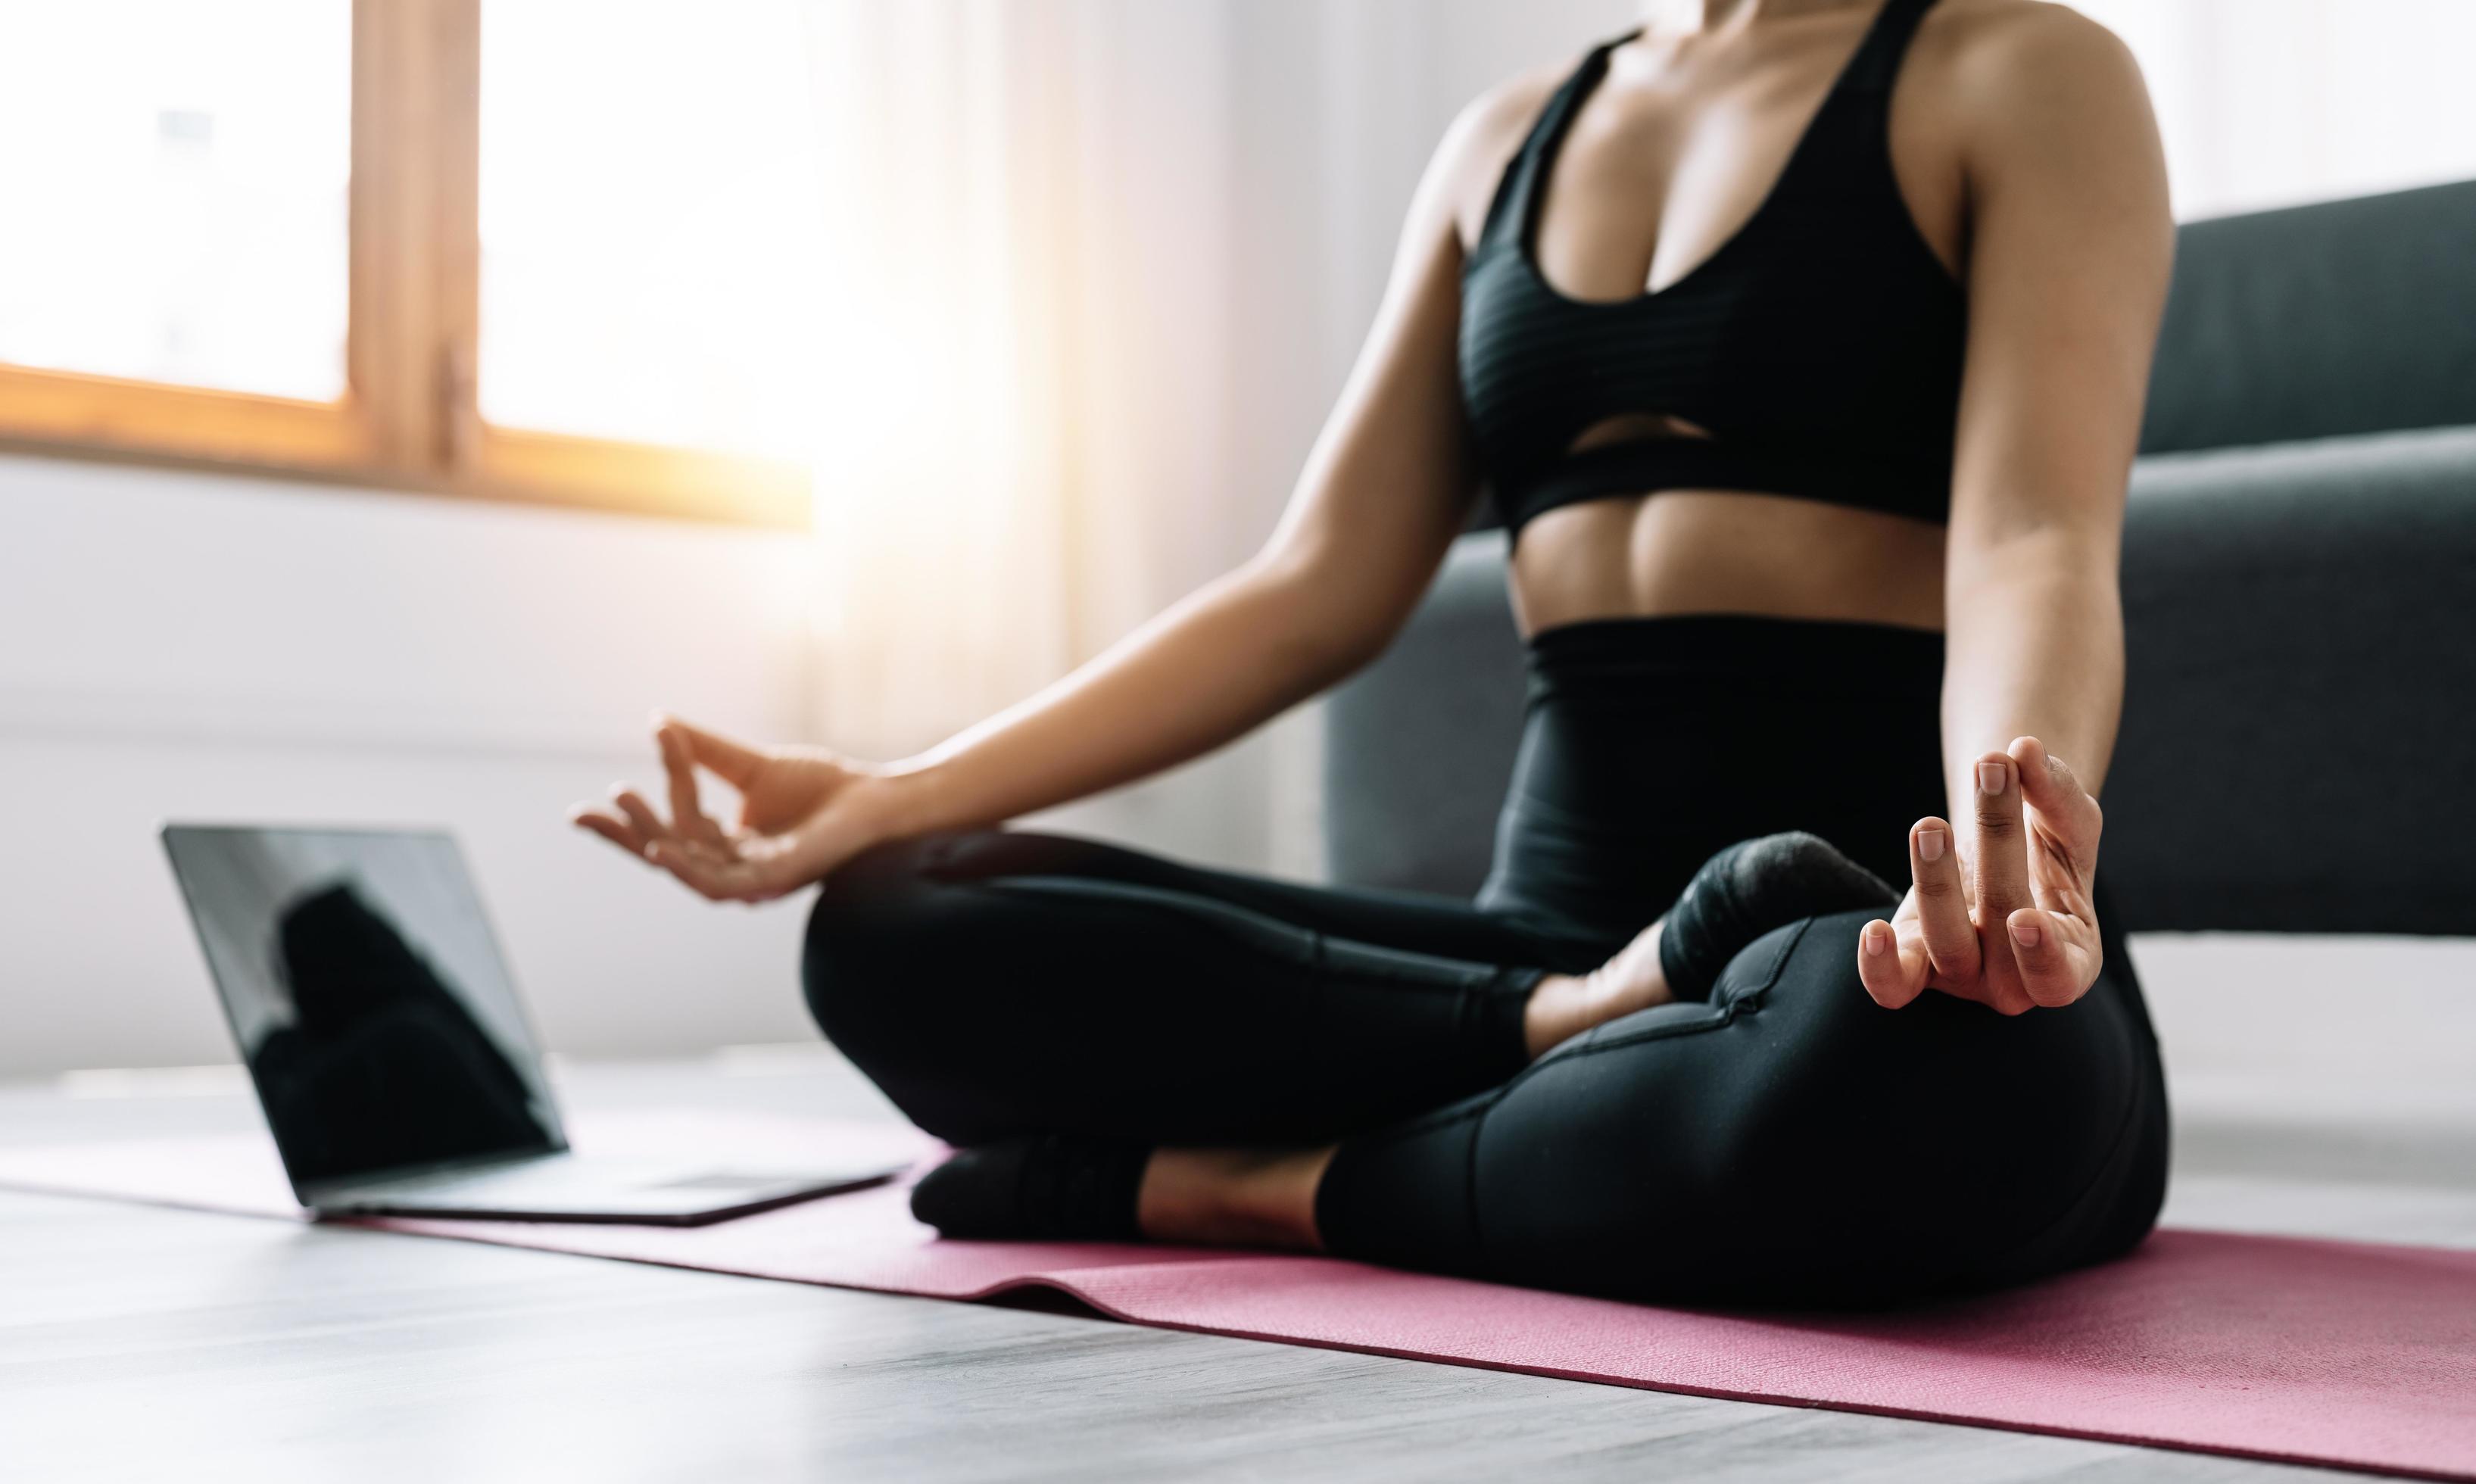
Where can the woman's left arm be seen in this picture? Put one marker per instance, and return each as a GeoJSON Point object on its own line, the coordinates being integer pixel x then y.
{"type": "Point", "coordinates": [2070, 243]}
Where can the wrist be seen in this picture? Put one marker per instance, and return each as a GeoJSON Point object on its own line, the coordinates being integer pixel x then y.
{"type": "Point", "coordinates": [903, 800]}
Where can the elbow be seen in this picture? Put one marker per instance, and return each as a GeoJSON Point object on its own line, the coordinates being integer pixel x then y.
{"type": "Point", "coordinates": [1323, 625]}
{"type": "Point", "coordinates": [2034, 556]}
{"type": "Point", "coordinates": [2075, 524]}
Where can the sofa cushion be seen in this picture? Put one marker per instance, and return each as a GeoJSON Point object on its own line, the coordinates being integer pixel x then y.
{"type": "Point", "coordinates": [2340, 317]}
{"type": "Point", "coordinates": [2298, 748]}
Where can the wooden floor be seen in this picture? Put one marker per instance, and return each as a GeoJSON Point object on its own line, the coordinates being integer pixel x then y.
{"type": "Point", "coordinates": [147, 1344]}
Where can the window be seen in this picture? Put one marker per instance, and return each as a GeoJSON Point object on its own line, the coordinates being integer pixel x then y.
{"type": "Point", "coordinates": [649, 222]}
{"type": "Point", "coordinates": [547, 250]}
{"type": "Point", "coordinates": [181, 220]}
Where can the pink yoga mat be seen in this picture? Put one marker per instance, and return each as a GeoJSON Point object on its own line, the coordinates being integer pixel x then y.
{"type": "Point", "coordinates": [2327, 1352]}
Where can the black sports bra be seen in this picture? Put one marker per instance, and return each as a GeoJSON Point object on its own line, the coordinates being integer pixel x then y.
{"type": "Point", "coordinates": [1820, 347]}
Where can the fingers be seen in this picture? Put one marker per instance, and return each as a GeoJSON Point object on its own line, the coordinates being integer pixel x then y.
{"type": "Point", "coordinates": [647, 825]}
{"type": "Point", "coordinates": [2002, 860]}
{"type": "Point", "coordinates": [679, 770]}
{"type": "Point", "coordinates": [610, 825]}
{"type": "Point", "coordinates": [2064, 808]}
{"type": "Point", "coordinates": [627, 821]}
{"type": "Point", "coordinates": [1894, 974]}
{"type": "Point", "coordinates": [2050, 785]}
{"type": "Point", "coordinates": [709, 869]}
{"type": "Point", "coordinates": [735, 764]}
{"type": "Point", "coordinates": [710, 873]}
{"type": "Point", "coordinates": [2058, 955]}
{"type": "Point", "coordinates": [1947, 936]}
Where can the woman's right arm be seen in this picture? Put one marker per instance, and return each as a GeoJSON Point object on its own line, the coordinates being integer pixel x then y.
{"type": "Point", "coordinates": [1384, 492]}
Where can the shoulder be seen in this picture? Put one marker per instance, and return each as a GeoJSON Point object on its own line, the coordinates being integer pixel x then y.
{"type": "Point", "coordinates": [1483, 138]}
{"type": "Point", "coordinates": [1988, 39]}
{"type": "Point", "coordinates": [2007, 71]}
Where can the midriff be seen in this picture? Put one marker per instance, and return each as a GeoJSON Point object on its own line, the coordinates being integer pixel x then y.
{"type": "Point", "coordinates": [1690, 551]}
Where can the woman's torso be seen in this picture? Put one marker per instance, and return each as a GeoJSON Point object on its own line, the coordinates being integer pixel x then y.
{"type": "Point", "coordinates": [1737, 154]}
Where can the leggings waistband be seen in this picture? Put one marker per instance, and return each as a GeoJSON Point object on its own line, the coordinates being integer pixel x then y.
{"type": "Point", "coordinates": [1809, 655]}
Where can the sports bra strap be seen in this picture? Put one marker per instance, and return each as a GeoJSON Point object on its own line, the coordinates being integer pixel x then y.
{"type": "Point", "coordinates": [1850, 138]}
{"type": "Point", "coordinates": [1877, 63]}
{"type": "Point", "coordinates": [1511, 209]}
{"type": "Point", "coordinates": [1852, 115]}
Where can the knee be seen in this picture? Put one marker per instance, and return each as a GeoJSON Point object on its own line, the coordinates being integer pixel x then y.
{"type": "Point", "coordinates": [1814, 958]}
{"type": "Point", "coordinates": [865, 915]}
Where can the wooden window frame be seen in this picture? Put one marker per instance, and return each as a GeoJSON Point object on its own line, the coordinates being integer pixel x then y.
{"type": "Point", "coordinates": [410, 417]}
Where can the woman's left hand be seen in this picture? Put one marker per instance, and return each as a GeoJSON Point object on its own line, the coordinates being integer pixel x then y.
{"type": "Point", "coordinates": [2008, 922]}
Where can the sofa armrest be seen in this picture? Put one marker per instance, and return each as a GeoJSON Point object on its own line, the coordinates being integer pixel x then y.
{"type": "Point", "coordinates": [1419, 746]}
{"type": "Point", "coordinates": [2299, 751]}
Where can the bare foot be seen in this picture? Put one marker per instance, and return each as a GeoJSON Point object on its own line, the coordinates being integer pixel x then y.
{"type": "Point", "coordinates": [1564, 1005]}
{"type": "Point", "coordinates": [1232, 1197]}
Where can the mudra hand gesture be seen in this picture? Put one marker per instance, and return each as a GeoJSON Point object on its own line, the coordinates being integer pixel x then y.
{"type": "Point", "coordinates": [2008, 922]}
{"type": "Point", "coordinates": [803, 811]}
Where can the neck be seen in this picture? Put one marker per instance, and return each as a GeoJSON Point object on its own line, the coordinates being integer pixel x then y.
{"type": "Point", "coordinates": [1691, 18]}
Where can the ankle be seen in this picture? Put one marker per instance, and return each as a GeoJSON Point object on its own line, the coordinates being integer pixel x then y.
{"type": "Point", "coordinates": [1564, 1005]}
{"type": "Point", "coordinates": [1561, 1007]}
{"type": "Point", "coordinates": [1238, 1197]}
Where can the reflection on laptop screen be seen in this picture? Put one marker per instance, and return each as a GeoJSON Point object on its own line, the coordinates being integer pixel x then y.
{"type": "Point", "coordinates": [368, 999]}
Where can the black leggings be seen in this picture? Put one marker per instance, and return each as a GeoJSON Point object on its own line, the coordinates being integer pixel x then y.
{"type": "Point", "coordinates": [1786, 1142]}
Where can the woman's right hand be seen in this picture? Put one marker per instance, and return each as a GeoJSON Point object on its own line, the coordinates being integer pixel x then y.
{"type": "Point", "coordinates": [803, 811]}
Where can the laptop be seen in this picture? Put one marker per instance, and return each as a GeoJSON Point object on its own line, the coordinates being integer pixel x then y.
{"type": "Point", "coordinates": [396, 1066]}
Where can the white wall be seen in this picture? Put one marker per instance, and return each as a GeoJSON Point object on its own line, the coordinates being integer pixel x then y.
{"type": "Point", "coordinates": [181, 645]}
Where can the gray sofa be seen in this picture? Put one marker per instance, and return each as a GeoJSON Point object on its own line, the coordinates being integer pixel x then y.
{"type": "Point", "coordinates": [2298, 751]}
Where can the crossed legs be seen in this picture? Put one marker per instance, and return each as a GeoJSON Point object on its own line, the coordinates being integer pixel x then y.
{"type": "Point", "coordinates": [1362, 1070]}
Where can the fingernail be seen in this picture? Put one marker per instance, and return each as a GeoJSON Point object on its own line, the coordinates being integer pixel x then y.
{"type": "Point", "coordinates": [1874, 942]}
{"type": "Point", "coordinates": [2025, 932]}
{"type": "Point", "coordinates": [1930, 845]}
{"type": "Point", "coordinates": [1990, 777]}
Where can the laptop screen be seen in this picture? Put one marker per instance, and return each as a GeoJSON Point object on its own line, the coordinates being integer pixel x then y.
{"type": "Point", "coordinates": [368, 999]}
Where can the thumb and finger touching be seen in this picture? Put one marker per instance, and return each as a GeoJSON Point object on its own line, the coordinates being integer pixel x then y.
{"type": "Point", "coordinates": [1932, 932]}
{"type": "Point", "coordinates": [688, 819]}
{"type": "Point", "coordinates": [2056, 945]}
{"type": "Point", "coordinates": [2012, 928]}
{"type": "Point", "coordinates": [690, 835]}
{"type": "Point", "coordinates": [733, 761]}
{"type": "Point", "coordinates": [2055, 953]}
{"type": "Point", "coordinates": [2057, 796]}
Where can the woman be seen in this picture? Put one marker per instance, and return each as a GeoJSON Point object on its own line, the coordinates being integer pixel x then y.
{"type": "Point", "coordinates": [1801, 344]}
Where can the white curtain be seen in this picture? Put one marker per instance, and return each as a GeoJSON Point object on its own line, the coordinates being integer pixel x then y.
{"type": "Point", "coordinates": [945, 471]}
{"type": "Point", "coordinates": [1025, 267]}
{"type": "Point", "coordinates": [2268, 103]}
